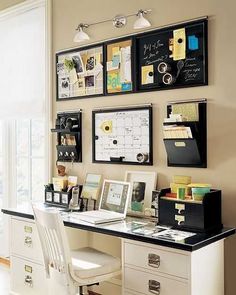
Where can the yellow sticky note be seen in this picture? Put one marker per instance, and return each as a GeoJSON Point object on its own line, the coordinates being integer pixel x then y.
{"type": "Point", "coordinates": [179, 46]}
{"type": "Point", "coordinates": [115, 50]}
{"type": "Point", "coordinates": [147, 75]}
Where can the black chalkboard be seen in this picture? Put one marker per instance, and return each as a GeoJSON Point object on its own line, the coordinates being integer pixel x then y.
{"type": "Point", "coordinates": [158, 69]}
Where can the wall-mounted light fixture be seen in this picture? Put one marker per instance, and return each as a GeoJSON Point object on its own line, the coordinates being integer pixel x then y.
{"type": "Point", "coordinates": [118, 21]}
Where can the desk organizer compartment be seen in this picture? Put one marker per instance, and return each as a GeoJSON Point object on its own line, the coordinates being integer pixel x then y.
{"type": "Point", "coordinates": [188, 152]}
{"type": "Point", "coordinates": [58, 198]}
{"type": "Point", "coordinates": [190, 215]}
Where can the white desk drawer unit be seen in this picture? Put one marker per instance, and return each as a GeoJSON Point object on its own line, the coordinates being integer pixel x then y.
{"type": "Point", "coordinates": [25, 240]}
{"type": "Point", "coordinates": [157, 260]}
{"type": "Point", "coordinates": [152, 269]}
{"type": "Point", "coordinates": [27, 277]}
{"type": "Point", "coordinates": [27, 267]}
{"type": "Point", "coordinates": [148, 283]}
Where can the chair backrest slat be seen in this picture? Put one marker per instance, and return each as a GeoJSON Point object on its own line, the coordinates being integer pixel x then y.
{"type": "Point", "coordinates": [53, 239]}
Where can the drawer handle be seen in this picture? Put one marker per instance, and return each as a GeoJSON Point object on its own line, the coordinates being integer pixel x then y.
{"type": "Point", "coordinates": [29, 281]}
{"type": "Point", "coordinates": [154, 287]}
{"type": "Point", "coordinates": [154, 260]}
{"type": "Point", "coordinates": [28, 241]}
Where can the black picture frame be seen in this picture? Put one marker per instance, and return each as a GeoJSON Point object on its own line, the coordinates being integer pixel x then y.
{"type": "Point", "coordinates": [118, 43]}
{"type": "Point", "coordinates": [75, 51]}
{"type": "Point", "coordinates": [119, 160]}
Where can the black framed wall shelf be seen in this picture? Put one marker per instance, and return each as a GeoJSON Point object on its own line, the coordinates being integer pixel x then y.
{"type": "Point", "coordinates": [123, 135]}
{"type": "Point", "coordinates": [68, 128]}
{"type": "Point", "coordinates": [186, 141]}
{"type": "Point", "coordinates": [80, 73]}
{"type": "Point", "coordinates": [172, 57]}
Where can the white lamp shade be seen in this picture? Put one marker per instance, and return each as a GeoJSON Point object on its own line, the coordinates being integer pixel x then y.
{"type": "Point", "coordinates": [81, 36]}
{"type": "Point", "coordinates": [141, 22]}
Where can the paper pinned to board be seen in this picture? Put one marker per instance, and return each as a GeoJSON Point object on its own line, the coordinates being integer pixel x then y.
{"type": "Point", "coordinates": [116, 61]}
{"type": "Point", "coordinates": [110, 66]}
{"type": "Point", "coordinates": [125, 66]}
{"type": "Point", "coordinates": [147, 74]}
{"type": "Point", "coordinates": [179, 46]}
{"type": "Point", "coordinates": [189, 111]}
{"type": "Point", "coordinates": [115, 50]}
{"type": "Point", "coordinates": [193, 42]}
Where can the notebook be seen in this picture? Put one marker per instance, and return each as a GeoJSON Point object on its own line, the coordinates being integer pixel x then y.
{"type": "Point", "coordinates": [113, 204]}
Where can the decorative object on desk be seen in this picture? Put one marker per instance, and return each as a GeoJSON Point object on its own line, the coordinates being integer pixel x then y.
{"type": "Point", "coordinates": [175, 56]}
{"type": "Point", "coordinates": [142, 185]}
{"type": "Point", "coordinates": [199, 190]}
{"type": "Point", "coordinates": [119, 21]}
{"type": "Point", "coordinates": [92, 186]}
{"type": "Point", "coordinates": [80, 72]}
{"type": "Point", "coordinates": [91, 189]}
{"type": "Point", "coordinates": [119, 66]}
{"type": "Point", "coordinates": [68, 127]}
{"type": "Point", "coordinates": [61, 170]}
{"type": "Point", "coordinates": [123, 135]}
{"type": "Point", "coordinates": [186, 139]}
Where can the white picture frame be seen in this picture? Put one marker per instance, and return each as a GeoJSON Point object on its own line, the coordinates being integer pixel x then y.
{"type": "Point", "coordinates": [146, 181]}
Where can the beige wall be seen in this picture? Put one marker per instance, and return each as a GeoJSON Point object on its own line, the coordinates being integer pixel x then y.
{"type": "Point", "coordinates": [221, 171]}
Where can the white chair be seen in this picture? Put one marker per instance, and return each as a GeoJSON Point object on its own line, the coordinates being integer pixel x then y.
{"type": "Point", "coordinates": [68, 270]}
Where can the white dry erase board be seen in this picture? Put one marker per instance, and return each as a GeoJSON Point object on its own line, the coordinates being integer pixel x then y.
{"type": "Point", "coordinates": [123, 135]}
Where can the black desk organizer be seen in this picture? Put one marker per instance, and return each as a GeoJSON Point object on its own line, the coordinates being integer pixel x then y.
{"type": "Point", "coordinates": [202, 216]}
{"type": "Point", "coordinates": [60, 198]}
{"type": "Point", "coordinates": [189, 152]}
{"type": "Point", "coordinates": [69, 124]}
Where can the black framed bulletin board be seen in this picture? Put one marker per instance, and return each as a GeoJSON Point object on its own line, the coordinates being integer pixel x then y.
{"type": "Point", "coordinates": [173, 57]}
{"type": "Point", "coordinates": [120, 66]}
{"type": "Point", "coordinates": [123, 135]}
{"type": "Point", "coordinates": [80, 73]}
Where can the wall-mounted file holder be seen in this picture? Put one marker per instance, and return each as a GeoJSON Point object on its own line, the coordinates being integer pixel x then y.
{"type": "Point", "coordinates": [69, 136]}
{"type": "Point", "coordinates": [188, 151]}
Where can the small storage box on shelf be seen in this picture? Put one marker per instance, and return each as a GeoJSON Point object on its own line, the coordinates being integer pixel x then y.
{"type": "Point", "coordinates": [199, 216]}
{"type": "Point", "coordinates": [69, 136]}
{"type": "Point", "coordinates": [189, 152]}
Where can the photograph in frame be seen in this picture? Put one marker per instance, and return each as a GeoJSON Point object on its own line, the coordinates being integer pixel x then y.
{"type": "Point", "coordinates": [142, 185]}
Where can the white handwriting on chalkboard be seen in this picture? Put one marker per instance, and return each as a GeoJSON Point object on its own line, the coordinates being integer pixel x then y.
{"type": "Point", "coordinates": [191, 69]}
{"type": "Point", "coordinates": [191, 74]}
{"type": "Point", "coordinates": [148, 59]}
{"type": "Point", "coordinates": [152, 47]}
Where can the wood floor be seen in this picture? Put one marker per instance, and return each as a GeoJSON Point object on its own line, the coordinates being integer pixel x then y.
{"type": "Point", "coordinates": [4, 280]}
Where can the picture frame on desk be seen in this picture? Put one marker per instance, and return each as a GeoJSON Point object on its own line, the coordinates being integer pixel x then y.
{"type": "Point", "coordinates": [142, 185]}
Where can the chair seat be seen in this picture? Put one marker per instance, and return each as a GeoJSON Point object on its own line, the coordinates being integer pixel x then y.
{"type": "Point", "coordinates": [89, 262]}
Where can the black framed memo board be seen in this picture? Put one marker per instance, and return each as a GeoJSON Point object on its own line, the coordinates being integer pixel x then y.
{"type": "Point", "coordinates": [172, 57]}
{"type": "Point", "coordinates": [119, 66]}
{"type": "Point", "coordinates": [80, 72]}
{"type": "Point", "coordinates": [123, 135]}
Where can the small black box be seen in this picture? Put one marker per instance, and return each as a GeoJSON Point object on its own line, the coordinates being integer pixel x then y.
{"type": "Point", "coordinates": [202, 216]}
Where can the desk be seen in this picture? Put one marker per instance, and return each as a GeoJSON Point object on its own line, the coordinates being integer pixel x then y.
{"type": "Point", "coordinates": [194, 266]}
